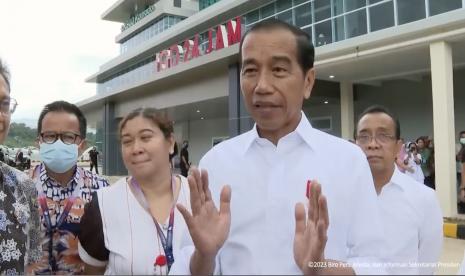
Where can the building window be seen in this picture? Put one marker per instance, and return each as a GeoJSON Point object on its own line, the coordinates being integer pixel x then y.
{"type": "Point", "coordinates": [267, 11]}
{"type": "Point", "coordinates": [351, 5]}
{"type": "Point", "coordinates": [356, 23]}
{"type": "Point", "coordinates": [322, 10]}
{"type": "Point", "coordinates": [323, 33]}
{"type": "Point", "coordinates": [177, 3]}
{"type": "Point", "coordinates": [285, 16]}
{"type": "Point", "coordinates": [442, 6]}
{"type": "Point", "coordinates": [410, 10]}
{"type": "Point", "coordinates": [303, 15]}
{"type": "Point", "coordinates": [339, 33]}
{"type": "Point", "coordinates": [338, 7]}
{"type": "Point", "coordinates": [282, 5]}
{"type": "Point", "coordinates": [322, 123]}
{"type": "Point", "coordinates": [381, 16]}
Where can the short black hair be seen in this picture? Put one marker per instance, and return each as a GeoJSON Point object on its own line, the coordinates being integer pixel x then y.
{"type": "Point", "coordinates": [305, 50]}
{"type": "Point", "coordinates": [67, 107]}
{"type": "Point", "coordinates": [461, 132]}
{"type": "Point", "coordinates": [379, 109]}
{"type": "Point", "coordinates": [5, 73]}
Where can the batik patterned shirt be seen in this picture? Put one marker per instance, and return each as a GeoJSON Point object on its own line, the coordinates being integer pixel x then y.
{"type": "Point", "coordinates": [19, 221]}
{"type": "Point", "coordinates": [64, 241]}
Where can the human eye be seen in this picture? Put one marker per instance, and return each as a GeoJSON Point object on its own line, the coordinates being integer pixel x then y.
{"type": "Point", "coordinates": [68, 137]}
{"type": "Point", "coordinates": [49, 136]}
{"type": "Point", "coordinates": [249, 70]}
{"type": "Point", "coordinates": [280, 70]}
{"type": "Point", "coordinates": [126, 141]}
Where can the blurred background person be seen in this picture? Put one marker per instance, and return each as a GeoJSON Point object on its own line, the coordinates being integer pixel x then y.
{"type": "Point", "coordinates": [184, 158]}
{"type": "Point", "coordinates": [460, 158]}
{"type": "Point", "coordinates": [425, 152]}
{"type": "Point", "coordinates": [413, 161]}
{"type": "Point", "coordinates": [93, 156]}
{"type": "Point", "coordinates": [133, 226]}
{"type": "Point", "coordinates": [19, 217]}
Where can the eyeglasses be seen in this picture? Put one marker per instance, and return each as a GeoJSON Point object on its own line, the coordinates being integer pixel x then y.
{"type": "Point", "coordinates": [50, 137]}
{"type": "Point", "coordinates": [8, 106]}
{"type": "Point", "coordinates": [381, 138]}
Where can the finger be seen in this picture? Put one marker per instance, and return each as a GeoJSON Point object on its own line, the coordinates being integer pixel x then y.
{"type": "Point", "coordinates": [315, 193]}
{"type": "Point", "coordinates": [225, 200]}
{"type": "Point", "coordinates": [198, 179]}
{"type": "Point", "coordinates": [323, 211]}
{"type": "Point", "coordinates": [300, 219]}
{"type": "Point", "coordinates": [185, 214]}
{"type": "Point", "coordinates": [194, 195]}
{"type": "Point", "coordinates": [322, 238]}
{"type": "Point", "coordinates": [206, 190]}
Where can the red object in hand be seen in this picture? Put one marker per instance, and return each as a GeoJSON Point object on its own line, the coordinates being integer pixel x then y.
{"type": "Point", "coordinates": [309, 184]}
{"type": "Point", "coordinates": [160, 260]}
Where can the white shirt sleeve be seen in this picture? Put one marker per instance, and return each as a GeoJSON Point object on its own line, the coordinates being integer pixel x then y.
{"type": "Point", "coordinates": [431, 236]}
{"type": "Point", "coordinates": [365, 237]}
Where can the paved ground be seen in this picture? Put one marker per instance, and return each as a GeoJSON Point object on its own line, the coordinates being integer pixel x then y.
{"type": "Point", "coordinates": [451, 256]}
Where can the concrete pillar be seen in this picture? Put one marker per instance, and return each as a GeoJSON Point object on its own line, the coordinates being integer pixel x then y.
{"type": "Point", "coordinates": [347, 110]}
{"type": "Point", "coordinates": [112, 160]}
{"type": "Point", "coordinates": [239, 119]}
{"type": "Point", "coordinates": [443, 120]}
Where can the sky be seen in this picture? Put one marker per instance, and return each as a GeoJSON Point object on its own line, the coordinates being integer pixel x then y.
{"type": "Point", "coordinates": [51, 47]}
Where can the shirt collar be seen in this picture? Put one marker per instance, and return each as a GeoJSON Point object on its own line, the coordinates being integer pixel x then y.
{"type": "Point", "coordinates": [45, 177]}
{"type": "Point", "coordinates": [397, 178]}
{"type": "Point", "coordinates": [304, 130]}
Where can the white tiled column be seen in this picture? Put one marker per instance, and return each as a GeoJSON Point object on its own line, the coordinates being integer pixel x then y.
{"type": "Point", "coordinates": [443, 120]}
{"type": "Point", "coordinates": [347, 110]}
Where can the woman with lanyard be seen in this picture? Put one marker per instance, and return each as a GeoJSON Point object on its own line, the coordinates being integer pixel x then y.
{"type": "Point", "coordinates": [133, 227]}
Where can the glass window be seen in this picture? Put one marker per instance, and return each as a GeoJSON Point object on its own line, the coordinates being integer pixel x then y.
{"type": "Point", "coordinates": [338, 7]}
{"type": "Point", "coordinates": [442, 6]}
{"type": "Point", "coordinates": [285, 16]}
{"type": "Point", "coordinates": [351, 5]}
{"type": "Point", "coordinates": [282, 5]}
{"type": "Point", "coordinates": [303, 15]}
{"type": "Point", "coordinates": [356, 23]}
{"type": "Point", "coordinates": [251, 17]}
{"type": "Point", "coordinates": [267, 11]}
{"type": "Point", "coordinates": [410, 10]}
{"type": "Point", "coordinates": [297, 2]}
{"type": "Point", "coordinates": [373, 1]}
{"type": "Point", "coordinates": [381, 16]}
{"type": "Point", "coordinates": [339, 33]}
{"type": "Point", "coordinates": [323, 33]}
{"type": "Point", "coordinates": [322, 10]}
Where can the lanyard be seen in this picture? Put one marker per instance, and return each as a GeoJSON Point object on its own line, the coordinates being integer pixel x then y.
{"type": "Point", "coordinates": [166, 241]}
{"type": "Point", "coordinates": [48, 221]}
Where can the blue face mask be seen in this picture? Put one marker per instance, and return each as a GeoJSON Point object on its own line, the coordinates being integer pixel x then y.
{"type": "Point", "coordinates": [58, 156]}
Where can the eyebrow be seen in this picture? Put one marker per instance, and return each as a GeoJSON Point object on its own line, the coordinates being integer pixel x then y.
{"type": "Point", "coordinates": [284, 59]}
{"type": "Point", "coordinates": [249, 61]}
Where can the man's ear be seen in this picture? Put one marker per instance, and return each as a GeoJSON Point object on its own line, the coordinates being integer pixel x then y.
{"type": "Point", "coordinates": [309, 82]}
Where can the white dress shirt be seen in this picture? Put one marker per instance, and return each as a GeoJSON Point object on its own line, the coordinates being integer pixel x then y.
{"type": "Point", "coordinates": [412, 221]}
{"type": "Point", "coordinates": [267, 181]}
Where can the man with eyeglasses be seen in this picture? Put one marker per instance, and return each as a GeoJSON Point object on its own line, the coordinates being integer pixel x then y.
{"type": "Point", "coordinates": [62, 186]}
{"type": "Point", "coordinates": [412, 218]}
{"type": "Point", "coordinates": [19, 217]}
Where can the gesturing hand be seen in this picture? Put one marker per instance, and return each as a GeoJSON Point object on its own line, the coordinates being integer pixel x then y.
{"type": "Point", "coordinates": [310, 231]}
{"type": "Point", "coordinates": [208, 227]}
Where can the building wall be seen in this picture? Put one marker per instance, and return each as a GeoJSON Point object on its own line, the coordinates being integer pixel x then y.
{"type": "Point", "coordinates": [201, 133]}
{"type": "Point", "coordinates": [411, 102]}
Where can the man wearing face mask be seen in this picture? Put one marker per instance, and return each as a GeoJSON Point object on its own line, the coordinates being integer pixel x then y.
{"type": "Point", "coordinates": [63, 188]}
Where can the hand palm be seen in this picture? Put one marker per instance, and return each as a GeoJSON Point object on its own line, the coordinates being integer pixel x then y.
{"type": "Point", "coordinates": [208, 227]}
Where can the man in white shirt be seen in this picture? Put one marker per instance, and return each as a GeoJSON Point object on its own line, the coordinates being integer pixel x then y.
{"type": "Point", "coordinates": [411, 216]}
{"type": "Point", "coordinates": [265, 229]}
